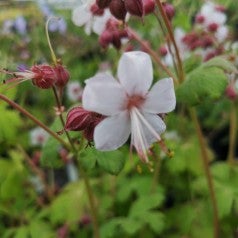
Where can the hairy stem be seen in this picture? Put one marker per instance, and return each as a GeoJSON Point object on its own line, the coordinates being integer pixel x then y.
{"type": "Point", "coordinates": [82, 172]}
{"type": "Point", "coordinates": [171, 36]}
{"type": "Point", "coordinates": [232, 135]}
{"type": "Point", "coordinates": [207, 171]}
{"type": "Point", "coordinates": [34, 119]}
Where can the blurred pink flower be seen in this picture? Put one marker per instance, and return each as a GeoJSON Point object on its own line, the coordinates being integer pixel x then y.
{"type": "Point", "coordinates": [129, 106]}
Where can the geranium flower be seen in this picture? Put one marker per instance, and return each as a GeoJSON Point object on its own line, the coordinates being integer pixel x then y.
{"type": "Point", "coordinates": [91, 17]}
{"type": "Point", "coordinates": [129, 106]}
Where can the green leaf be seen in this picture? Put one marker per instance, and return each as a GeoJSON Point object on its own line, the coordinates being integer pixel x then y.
{"type": "Point", "coordinates": [156, 221]}
{"type": "Point", "coordinates": [50, 151]}
{"type": "Point", "coordinates": [221, 63]}
{"type": "Point", "coordinates": [131, 226]}
{"type": "Point", "coordinates": [202, 84]}
{"type": "Point", "coordinates": [9, 121]}
{"type": "Point", "coordinates": [41, 229]}
{"type": "Point", "coordinates": [111, 161]}
{"type": "Point", "coordinates": [192, 63]}
{"type": "Point", "coordinates": [50, 154]}
{"type": "Point", "coordinates": [69, 205]}
{"type": "Point", "coordinates": [146, 203]}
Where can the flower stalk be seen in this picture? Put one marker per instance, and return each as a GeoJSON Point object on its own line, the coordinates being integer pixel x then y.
{"type": "Point", "coordinates": [207, 171]}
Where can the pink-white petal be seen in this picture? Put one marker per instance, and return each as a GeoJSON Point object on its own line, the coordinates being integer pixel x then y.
{"type": "Point", "coordinates": [104, 95]}
{"type": "Point", "coordinates": [135, 72]}
{"type": "Point", "coordinates": [99, 22]}
{"type": "Point", "coordinates": [112, 132]}
{"type": "Point", "coordinates": [81, 15]}
{"type": "Point", "coordinates": [161, 98]}
{"type": "Point", "coordinates": [151, 127]}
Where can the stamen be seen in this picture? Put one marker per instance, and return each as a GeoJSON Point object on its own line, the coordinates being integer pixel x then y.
{"type": "Point", "coordinates": [138, 138]}
{"type": "Point", "coordinates": [154, 133]}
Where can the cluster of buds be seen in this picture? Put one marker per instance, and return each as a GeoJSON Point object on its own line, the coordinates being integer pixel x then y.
{"type": "Point", "coordinates": [120, 8]}
{"type": "Point", "coordinates": [43, 76]}
{"type": "Point", "coordinates": [206, 37]}
{"type": "Point", "coordinates": [113, 34]}
{"type": "Point", "coordinates": [79, 119]}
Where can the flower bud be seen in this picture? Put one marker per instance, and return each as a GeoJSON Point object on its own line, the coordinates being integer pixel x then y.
{"type": "Point", "coordinates": [148, 6]}
{"type": "Point", "coordinates": [199, 19]}
{"type": "Point", "coordinates": [118, 9]}
{"type": "Point", "coordinates": [163, 50]}
{"type": "Point", "coordinates": [103, 3]}
{"type": "Point", "coordinates": [77, 119]}
{"type": "Point", "coordinates": [105, 39]}
{"type": "Point", "coordinates": [96, 11]}
{"type": "Point", "coordinates": [134, 7]}
{"type": "Point", "coordinates": [212, 27]}
{"type": "Point", "coordinates": [169, 10]}
{"type": "Point", "coordinates": [231, 92]}
{"type": "Point", "coordinates": [62, 75]}
{"type": "Point", "coordinates": [44, 76]}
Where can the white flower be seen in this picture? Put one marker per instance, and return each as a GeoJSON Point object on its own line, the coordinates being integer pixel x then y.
{"type": "Point", "coordinates": [38, 136]}
{"type": "Point", "coordinates": [129, 107]}
{"type": "Point", "coordinates": [83, 16]}
{"type": "Point", "coordinates": [212, 15]}
{"type": "Point", "coordinates": [74, 91]}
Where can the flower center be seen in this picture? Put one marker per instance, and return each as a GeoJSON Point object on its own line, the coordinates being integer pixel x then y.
{"type": "Point", "coordinates": [134, 101]}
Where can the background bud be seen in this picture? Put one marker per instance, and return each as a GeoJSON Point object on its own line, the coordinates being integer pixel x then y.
{"type": "Point", "coordinates": [62, 75]}
{"type": "Point", "coordinates": [118, 9]}
{"type": "Point", "coordinates": [148, 6]}
{"type": "Point", "coordinates": [103, 3]}
{"type": "Point", "coordinates": [134, 7]}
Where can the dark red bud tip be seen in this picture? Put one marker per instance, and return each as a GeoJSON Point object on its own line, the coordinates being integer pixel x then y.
{"type": "Point", "coordinates": [44, 76]}
{"type": "Point", "coordinates": [231, 92]}
{"type": "Point", "coordinates": [118, 9]}
{"type": "Point", "coordinates": [105, 39]}
{"type": "Point", "coordinates": [163, 50]}
{"type": "Point", "coordinates": [96, 11]}
{"type": "Point", "coordinates": [169, 10]}
{"type": "Point", "coordinates": [103, 3]}
{"type": "Point", "coordinates": [62, 75]}
{"type": "Point", "coordinates": [148, 6]}
{"type": "Point", "coordinates": [77, 119]}
{"type": "Point", "coordinates": [134, 7]}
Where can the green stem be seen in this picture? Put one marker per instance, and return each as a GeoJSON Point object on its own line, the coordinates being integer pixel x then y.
{"type": "Point", "coordinates": [205, 160]}
{"type": "Point", "coordinates": [82, 172]}
{"type": "Point", "coordinates": [232, 135]}
{"type": "Point", "coordinates": [34, 119]}
{"type": "Point", "coordinates": [171, 36]}
{"type": "Point", "coordinates": [62, 119]}
{"type": "Point", "coordinates": [48, 39]}
{"type": "Point", "coordinates": [135, 36]}
{"type": "Point", "coordinates": [93, 209]}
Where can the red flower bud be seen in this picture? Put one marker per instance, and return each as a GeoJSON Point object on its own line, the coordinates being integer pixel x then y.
{"type": "Point", "coordinates": [62, 75]}
{"type": "Point", "coordinates": [213, 27]}
{"type": "Point", "coordinates": [44, 76]}
{"type": "Point", "coordinates": [163, 50]}
{"type": "Point", "coordinates": [105, 39]}
{"type": "Point", "coordinates": [199, 19]}
{"type": "Point", "coordinates": [77, 119]}
{"type": "Point", "coordinates": [134, 7]}
{"type": "Point", "coordinates": [103, 3]}
{"type": "Point", "coordinates": [118, 9]}
{"type": "Point", "coordinates": [231, 92]}
{"type": "Point", "coordinates": [96, 10]}
{"type": "Point", "coordinates": [148, 6]}
{"type": "Point", "coordinates": [169, 10]}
